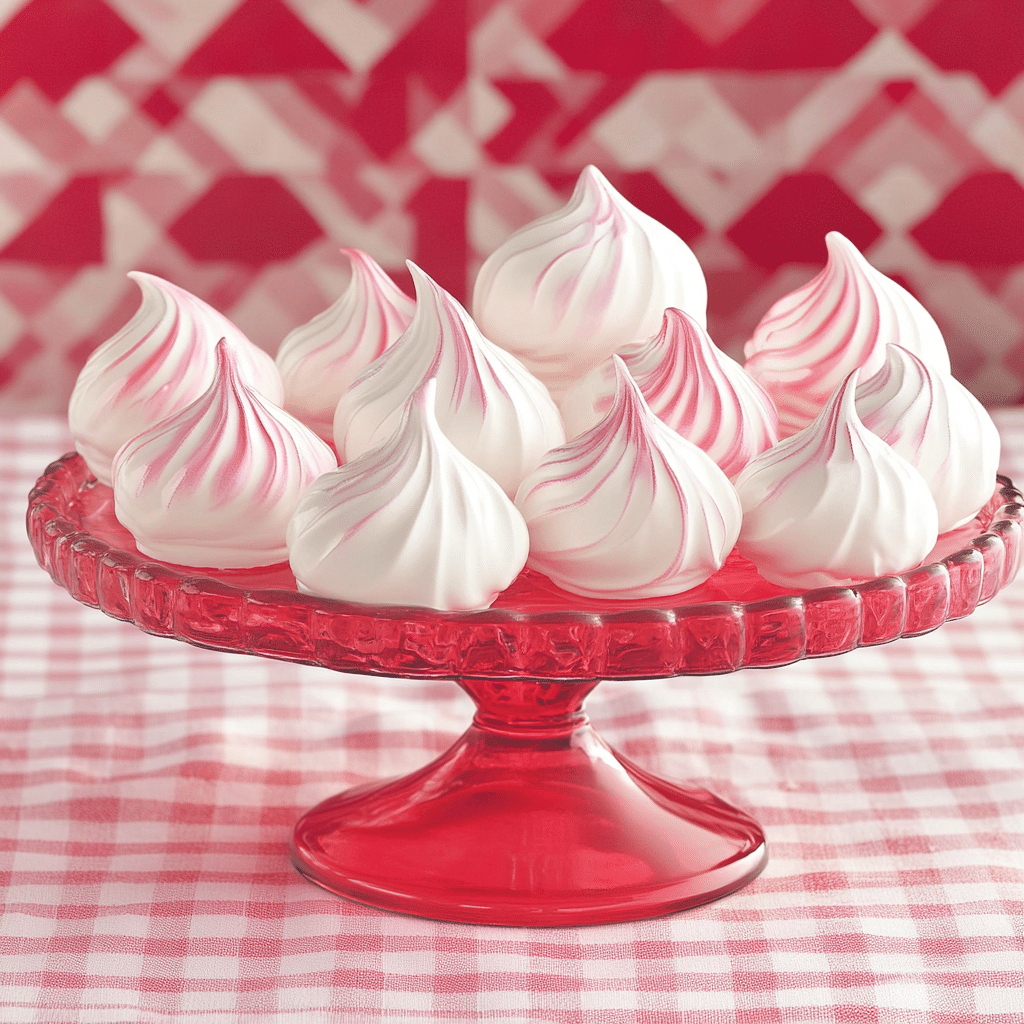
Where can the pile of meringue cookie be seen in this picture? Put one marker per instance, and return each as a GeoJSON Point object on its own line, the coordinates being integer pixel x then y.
{"type": "Point", "coordinates": [581, 422]}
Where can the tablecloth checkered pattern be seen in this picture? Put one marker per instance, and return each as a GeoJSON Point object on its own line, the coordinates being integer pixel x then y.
{"type": "Point", "coordinates": [148, 790]}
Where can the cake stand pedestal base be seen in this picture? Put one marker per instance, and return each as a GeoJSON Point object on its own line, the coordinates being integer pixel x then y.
{"type": "Point", "coordinates": [529, 819]}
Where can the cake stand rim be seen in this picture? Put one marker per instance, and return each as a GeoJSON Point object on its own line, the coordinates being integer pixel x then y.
{"type": "Point", "coordinates": [62, 547]}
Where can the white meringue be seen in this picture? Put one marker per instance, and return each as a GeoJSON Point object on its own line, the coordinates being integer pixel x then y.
{"type": "Point", "coordinates": [158, 363]}
{"type": "Point", "coordinates": [834, 504]}
{"type": "Point", "coordinates": [692, 386]}
{"type": "Point", "coordinates": [629, 509]}
{"type": "Point", "coordinates": [566, 291]}
{"type": "Point", "coordinates": [809, 340]}
{"type": "Point", "coordinates": [411, 522]}
{"type": "Point", "coordinates": [488, 404]}
{"type": "Point", "coordinates": [320, 359]}
{"type": "Point", "coordinates": [939, 427]}
{"type": "Point", "coordinates": [215, 484]}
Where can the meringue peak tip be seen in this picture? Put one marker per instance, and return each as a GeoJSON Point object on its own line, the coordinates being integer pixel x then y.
{"type": "Point", "coordinates": [899, 362]}
{"type": "Point", "coordinates": [357, 259]}
{"type": "Point", "coordinates": [426, 286]}
{"type": "Point", "coordinates": [678, 319]}
{"type": "Point", "coordinates": [626, 387]}
{"type": "Point", "coordinates": [421, 279]}
{"type": "Point", "coordinates": [845, 400]}
{"type": "Point", "coordinates": [592, 179]}
{"type": "Point", "coordinates": [143, 278]}
{"type": "Point", "coordinates": [838, 245]}
{"type": "Point", "coordinates": [225, 355]}
{"type": "Point", "coordinates": [895, 351]}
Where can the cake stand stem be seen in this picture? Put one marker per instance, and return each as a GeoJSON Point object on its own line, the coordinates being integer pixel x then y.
{"type": "Point", "coordinates": [529, 818]}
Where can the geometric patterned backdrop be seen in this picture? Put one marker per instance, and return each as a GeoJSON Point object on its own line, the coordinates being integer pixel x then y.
{"type": "Point", "coordinates": [233, 145]}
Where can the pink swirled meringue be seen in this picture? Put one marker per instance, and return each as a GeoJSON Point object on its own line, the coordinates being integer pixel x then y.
{"type": "Point", "coordinates": [320, 359]}
{"type": "Point", "coordinates": [488, 404]}
{"type": "Point", "coordinates": [628, 509]}
{"type": "Point", "coordinates": [834, 504]}
{"type": "Point", "coordinates": [939, 427]}
{"type": "Point", "coordinates": [689, 384]}
{"type": "Point", "coordinates": [158, 363]}
{"type": "Point", "coordinates": [809, 340]}
{"type": "Point", "coordinates": [566, 291]}
{"type": "Point", "coordinates": [215, 484]}
{"type": "Point", "coordinates": [410, 522]}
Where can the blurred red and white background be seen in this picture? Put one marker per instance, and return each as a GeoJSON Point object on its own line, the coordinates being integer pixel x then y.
{"type": "Point", "coordinates": [233, 145]}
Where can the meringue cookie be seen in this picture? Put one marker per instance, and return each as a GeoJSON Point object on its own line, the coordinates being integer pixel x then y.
{"type": "Point", "coordinates": [692, 386]}
{"type": "Point", "coordinates": [319, 360]}
{"type": "Point", "coordinates": [566, 291]}
{"type": "Point", "coordinates": [939, 427]}
{"type": "Point", "coordinates": [158, 363]}
{"type": "Point", "coordinates": [834, 504]}
{"type": "Point", "coordinates": [215, 484]}
{"type": "Point", "coordinates": [488, 404]}
{"type": "Point", "coordinates": [411, 522]}
{"type": "Point", "coordinates": [809, 341]}
{"type": "Point", "coordinates": [629, 509]}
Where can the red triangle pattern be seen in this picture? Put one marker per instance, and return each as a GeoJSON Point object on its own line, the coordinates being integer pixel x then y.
{"type": "Point", "coordinates": [253, 220]}
{"type": "Point", "coordinates": [789, 223]}
{"type": "Point", "coordinates": [55, 45]}
{"type": "Point", "coordinates": [441, 250]}
{"type": "Point", "coordinates": [632, 38]}
{"type": "Point", "coordinates": [981, 221]}
{"type": "Point", "coordinates": [983, 36]}
{"type": "Point", "coordinates": [67, 233]}
{"type": "Point", "coordinates": [262, 37]}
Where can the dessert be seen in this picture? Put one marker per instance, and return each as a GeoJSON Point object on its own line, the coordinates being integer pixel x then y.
{"type": "Point", "coordinates": [457, 471]}
{"type": "Point", "coordinates": [566, 291]}
{"type": "Point", "coordinates": [629, 508]}
{"type": "Point", "coordinates": [939, 427]}
{"type": "Point", "coordinates": [834, 504]}
{"type": "Point", "coordinates": [689, 384]}
{"type": "Point", "coordinates": [320, 359]}
{"type": "Point", "coordinates": [410, 522]}
{"type": "Point", "coordinates": [215, 484]}
{"type": "Point", "coordinates": [158, 363]}
{"type": "Point", "coordinates": [810, 340]}
{"type": "Point", "coordinates": [489, 405]}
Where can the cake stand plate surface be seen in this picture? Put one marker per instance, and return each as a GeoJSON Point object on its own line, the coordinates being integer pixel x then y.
{"type": "Point", "coordinates": [529, 818]}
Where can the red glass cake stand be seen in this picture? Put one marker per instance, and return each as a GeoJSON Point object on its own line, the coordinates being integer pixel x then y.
{"type": "Point", "coordinates": [529, 818]}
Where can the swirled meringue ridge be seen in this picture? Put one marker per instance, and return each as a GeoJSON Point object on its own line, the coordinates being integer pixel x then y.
{"type": "Point", "coordinates": [488, 404]}
{"type": "Point", "coordinates": [939, 427]}
{"type": "Point", "coordinates": [629, 509]}
{"type": "Point", "coordinates": [214, 485]}
{"type": "Point", "coordinates": [833, 504]}
{"type": "Point", "coordinates": [566, 291]}
{"type": "Point", "coordinates": [690, 385]}
{"type": "Point", "coordinates": [410, 522]}
{"type": "Point", "coordinates": [159, 362]}
{"type": "Point", "coordinates": [319, 360]}
{"type": "Point", "coordinates": [809, 340]}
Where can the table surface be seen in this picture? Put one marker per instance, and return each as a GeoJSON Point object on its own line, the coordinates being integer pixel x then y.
{"type": "Point", "coordinates": [149, 789]}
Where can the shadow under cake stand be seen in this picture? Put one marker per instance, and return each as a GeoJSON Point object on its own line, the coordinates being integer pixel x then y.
{"type": "Point", "coordinates": [530, 818]}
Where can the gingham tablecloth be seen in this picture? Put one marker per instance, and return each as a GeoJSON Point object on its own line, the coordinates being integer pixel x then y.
{"type": "Point", "coordinates": [149, 789]}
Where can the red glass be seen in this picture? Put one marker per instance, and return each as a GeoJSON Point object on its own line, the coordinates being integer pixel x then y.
{"type": "Point", "coordinates": [529, 818]}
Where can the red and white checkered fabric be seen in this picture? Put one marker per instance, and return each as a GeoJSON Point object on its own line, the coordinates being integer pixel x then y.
{"type": "Point", "coordinates": [148, 789]}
